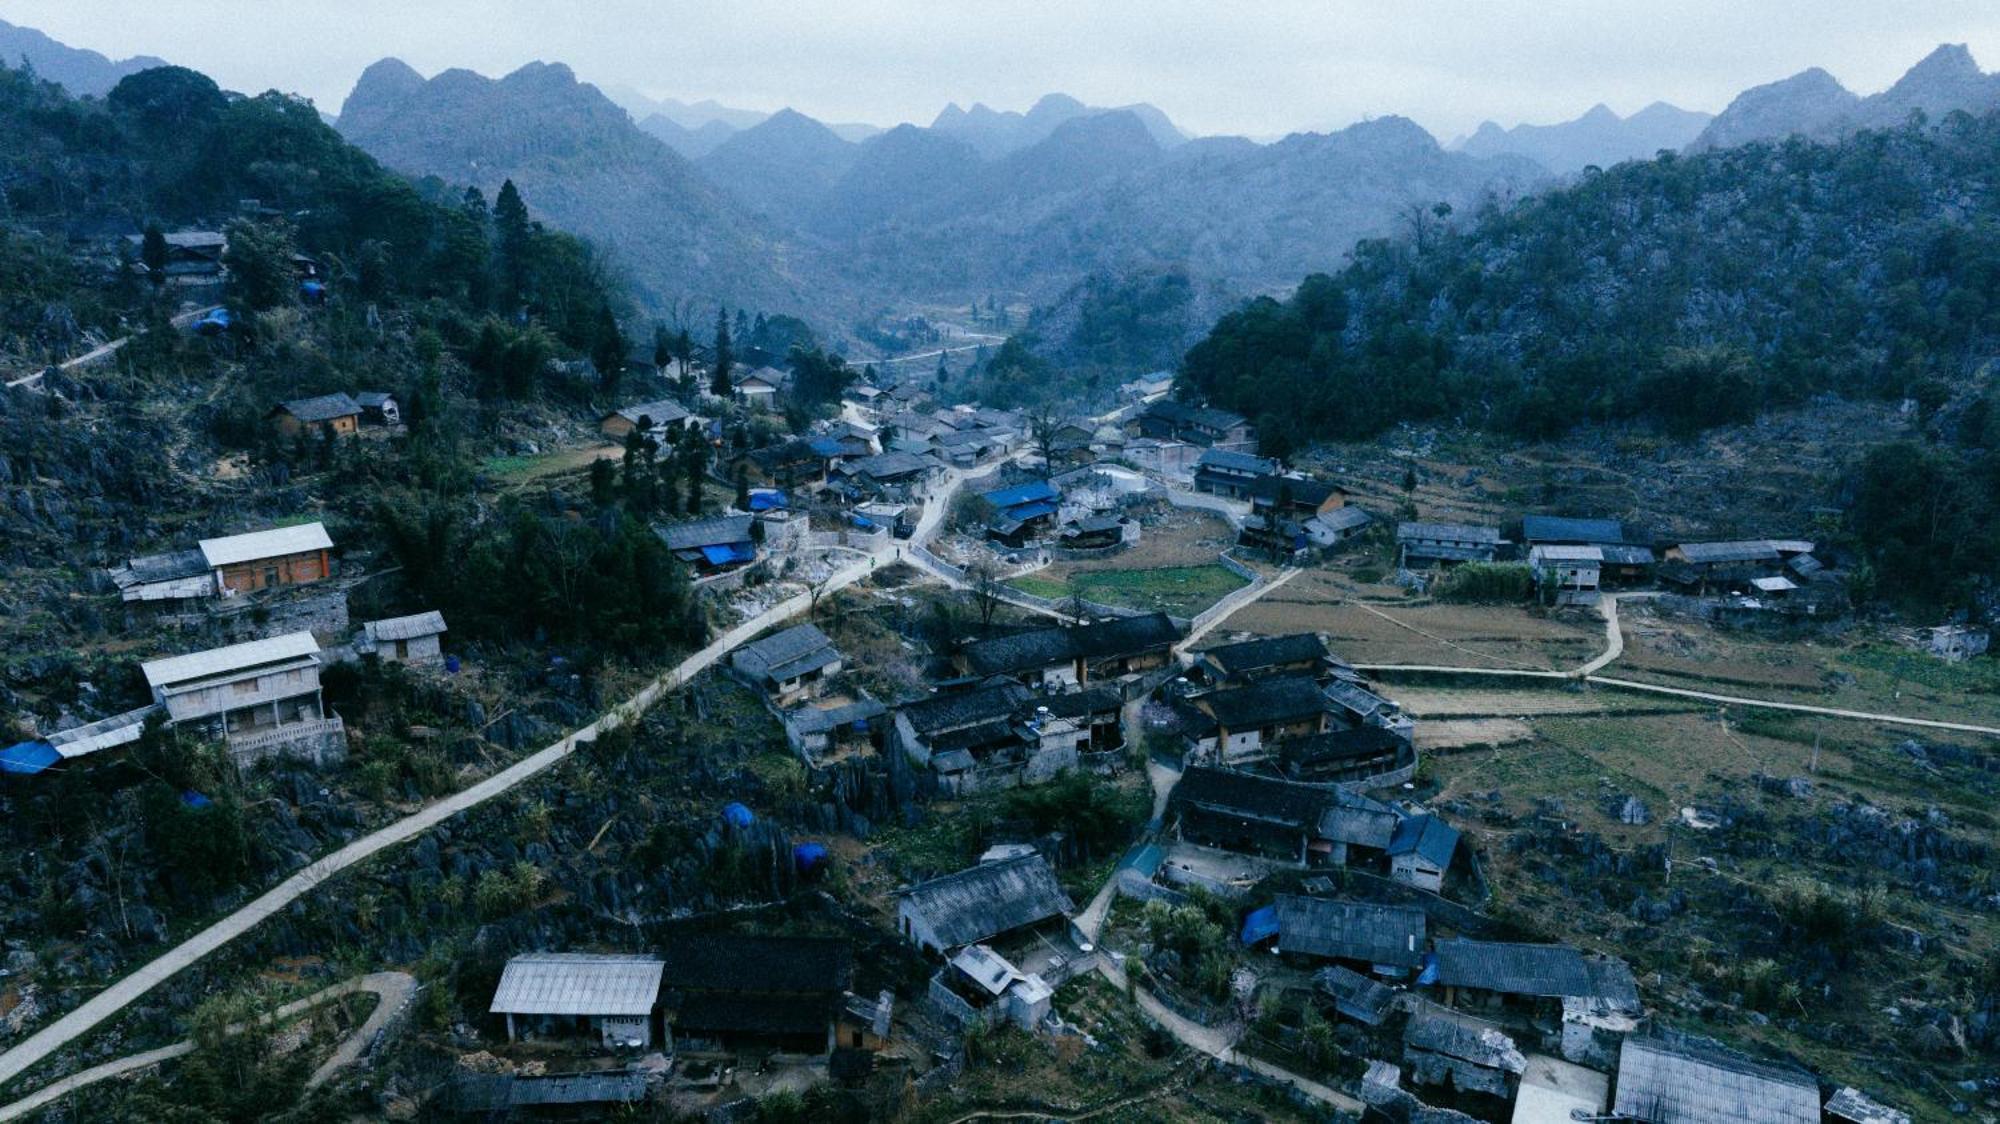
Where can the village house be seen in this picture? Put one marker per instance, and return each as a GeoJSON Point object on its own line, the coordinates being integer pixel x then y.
{"type": "Point", "coordinates": [1358, 757]}
{"type": "Point", "coordinates": [985, 904]}
{"type": "Point", "coordinates": [788, 664]}
{"type": "Point", "coordinates": [1594, 1026]}
{"type": "Point", "coordinates": [1420, 853]}
{"type": "Point", "coordinates": [1355, 831]}
{"type": "Point", "coordinates": [760, 387]}
{"type": "Point", "coordinates": [1146, 386]}
{"type": "Point", "coordinates": [1448, 1049]}
{"type": "Point", "coordinates": [1223, 472]}
{"type": "Point", "coordinates": [379, 408]}
{"type": "Point", "coordinates": [338, 414]}
{"type": "Point", "coordinates": [1567, 575]}
{"type": "Point", "coordinates": [415, 640]}
{"type": "Point", "coordinates": [758, 995]}
{"type": "Point", "coordinates": [1095, 532]}
{"type": "Point", "coordinates": [1673, 1080]}
{"type": "Point", "coordinates": [892, 475]}
{"type": "Point", "coordinates": [1703, 567]}
{"type": "Point", "coordinates": [262, 698]}
{"type": "Point", "coordinates": [714, 545]}
{"type": "Point", "coordinates": [611, 998]}
{"type": "Point", "coordinates": [1250, 661]}
{"type": "Point", "coordinates": [1295, 498]}
{"type": "Point", "coordinates": [653, 417]}
{"type": "Point", "coordinates": [1533, 978]}
{"type": "Point", "coordinates": [1355, 996]}
{"type": "Point", "coordinates": [1247, 723]}
{"type": "Point", "coordinates": [194, 257]}
{"type": "Point", "coordinates": [797, 463]}
{"type": "Point", "coordinates": [1072, 444]}
{"type": "Point", "coordinates": [1249, 814]}
{"type": "Point", "coordinates": [980, 987]}
{"type": "Point", "coordinates": [1388, 940]}
{"type": "Point", "coordinates": [822, 734]}
{"type": "Point", "coordinates": [1002, 735]}
{"type": "Point", "coordinates": [1022, 513]}
{"type": "Point", "coordinates": [1955, 642]}
{"type": "Point", "coordinates": [1422, 545]}
{"type": "Point", "coordinates": [967, 447]}
{"type": "Point", "coordinates": [1063, 657]}
{"type": "Point", "coordinates": [1356, 705]}
{"type": "Point", "coordinates": [295, 555]}
{"type": "Point", "coordinates": [1620, 561]}
{"type": "Point", "coordinates": [1195, 425]}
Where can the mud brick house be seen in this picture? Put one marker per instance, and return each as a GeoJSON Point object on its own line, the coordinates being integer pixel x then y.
{"type": "Point", "coordinates": [714, 545]}
{"type": "Point", "coordinates": [612, 998]}
{"type": "Point", "coordinates": [788, 664]}
{"type": "Point", "coordinates": [1421, 851]}
{"type": "Point", "coordinates": [739, 994]}
{"type": "Point", "coordinates": [1445, 544]}
{"type": "Point", "coordinates": [1361, 757]}
{"type": "Point", "coordinates": [338, 414]}
{"type": "Point", "coordinates": [1196, 425]}
{"type": "Point", "coordinates": [657, 416]}
{"type": "Point", "coordinates": [1446, 1048]}
{"type": "Point", "coordinates": [415, 640]}
{"type": "Point", "coordinates": [1250, 661]}
{"type": "Point", "coordinates": [261, 560]}
{"type": "Point", "coordinates": [1249, 814]}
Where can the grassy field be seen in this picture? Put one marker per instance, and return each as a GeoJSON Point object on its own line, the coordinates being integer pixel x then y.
{"type": "Point", "coordinates": [1517, 799]}
{"type": "Point", "coordinates": [1181, 591]}
{"type": "Point", "coordinates": [1362, 627]}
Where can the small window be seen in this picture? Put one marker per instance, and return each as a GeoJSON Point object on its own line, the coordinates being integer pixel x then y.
{"type": "Point", "coordinates": [244, 686]}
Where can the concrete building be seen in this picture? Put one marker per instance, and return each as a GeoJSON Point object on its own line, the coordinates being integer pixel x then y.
{"type": "Point", "coordinates": [262, 698]}
{"type": "Point", "coordinates": [612, 998]}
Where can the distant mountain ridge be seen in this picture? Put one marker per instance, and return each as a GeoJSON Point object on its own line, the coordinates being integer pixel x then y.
{"type": "Point", "coordinates": [1600, 137]}
{"type": "Point", "coordinates": [996, 133]}
{"type": "Point", "coordinates": [1813, 104]}
{"type": "Point", "coordinates": [583, 165]}
{"type": "Point", "coordinates": [83, 73]}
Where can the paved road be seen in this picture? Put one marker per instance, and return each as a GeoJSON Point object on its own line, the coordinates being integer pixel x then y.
{"type": "Point", "coordinates": [392, 990]}
{"type": "Point", "coordinates": [1229, 606]}
{"type": "Point", "coordinates": [126, 991]}
{"type": "Point", "coordinates": [107, 350]}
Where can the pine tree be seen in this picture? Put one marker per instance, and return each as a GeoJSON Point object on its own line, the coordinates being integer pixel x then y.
{"type": "Point", "coordinates": [153, 252]}
{"type": "Point", "coordinates": [742, 487]}
{"type": "Point", "coordinates": [510, 223]}
{"type": "Point", "coordinates": [725, 359]}
{"type": "Point", "coordinates": [607, 350]}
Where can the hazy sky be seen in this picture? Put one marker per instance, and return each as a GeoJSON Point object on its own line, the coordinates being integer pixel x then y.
{"type": "Point", "coordinates": [1259, 67]}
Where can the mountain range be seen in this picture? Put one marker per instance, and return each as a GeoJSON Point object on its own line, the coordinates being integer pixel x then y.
{"type": "Point", "coordinates": [83, 73]}
{"type": "Point", "coordinates": [1600, 137]}
{"type": "Point", "coordinates": [1815, 105]}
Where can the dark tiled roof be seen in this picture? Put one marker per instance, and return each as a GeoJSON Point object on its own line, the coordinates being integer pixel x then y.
{"type": "Point", "coordinates": [1678, 1081]}
{"type": "Point", "coordinates": [1304, 493]}
{"type": "Point", "coordinates": [1515, 969]}
{"type": "Point", "coordinates": [1265, 652]}
{"type": "Point", "coordinates": [965, 708]}
{"type": "Point", "coordinates": [761, 964]}
{"type": "Point", "coordinates": [715, 1012]}
{"type": "Point", "coordinates": [1355, 993]}
{"type": "Point", "coordinates": [1562, 529]}
{"type": "Point", "coordinates": [718, 531]}
{"type": "Point", "coordinates": [1428, 837]}
{"type": "Point", "coordinates": [1046, 647]}
{"type": "Point", "coordinates": [1456, 1035]}
{"type": "Point", "coordinates": [888, 466]}
{"type": "Point", "coordinates": [1288, 699]}
{"type": "Point", "coordinates": [1352, 818]}
{"type": "Point", "coordinates": [1076, 704]}
{"type": "Point", "coordinates": [1252, 797]}
{"type": "Point", "coordinates": [1180, 413]}
{"type": "Point", "coordinates": [1335, 746]}
{"type": "Point", "coordinates": [1716, 553]}
{"type": "Point", "coordinates": [326, 407]}
{"type": "Point", "coordinates": [1229, 460]}
{"type": "Point", "coordinates": [1447, 532]}
{"type": "Point", "coordinates": [989, 899]}
{"type": "Point", "coordinates": [787, 653]}
{"type": "Point", "coordinates": [1378, 934]}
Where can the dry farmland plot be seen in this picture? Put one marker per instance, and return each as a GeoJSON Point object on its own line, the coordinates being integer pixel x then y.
{"type": "Point", "coordinates": [1370, 632]}
{"type": "Point", "coordinates": [1853, 675]}
{"type": "Point", "coordinates": [1172, 567]}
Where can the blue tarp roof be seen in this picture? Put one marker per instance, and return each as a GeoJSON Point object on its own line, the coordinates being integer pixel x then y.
{"type": "Point", "coordinates": [28, 758]}
{"type": "Point", "coordinates": [1024, 512]}
{"type": "Point", "coordinates": [1260, 925]}
{"type": "Point", "coordinates": [1023, 493]}
{"type": "Point", "coordinates": [1428, 974]}
{"type": "Point", "coordinates": [809, 856]}
{"type": "Point", "coordinates": [729, 552]}
{"type": "Point", "coordinates": [767, 499]}
{"type": "Point", "coordinates": [738, 815]}
{"type": "Point", "coordinates": [825, 446]}
{"type": "Point", "coordinates": [862, 522]}
{"type": "Point", "coordinates": [195, 799]}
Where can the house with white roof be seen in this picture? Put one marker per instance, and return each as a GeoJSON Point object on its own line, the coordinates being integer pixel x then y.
{"type": "Point", "coordinates": [611, 997]}
{"type": "Point", "coordinates": [262, 698]}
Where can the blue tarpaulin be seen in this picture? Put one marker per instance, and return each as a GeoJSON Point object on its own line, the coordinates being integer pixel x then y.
{"type": "Point", "coordinates": [809, 857]}
{"type": "Point", "coordinates": [861, 522]}
{"type": "Point", "coordinates": [1260, 925]}
{"type": "Point", "coordinates": [1023, 493]}
{"type": "Point", "coordinates": [766, 499]}
{"type": "Point", "coordinates": [726, 553]}
{"type": "Point", "coordinates": [195, 799]}
{"type": "Point", "coordinates": [1429, 972]}
{"type": "Point", "coordinates": [28, 758]}
{"type": "Point", "coordinates": [1029, 511]}
{"type": "Point", "coordinates": [736, 815]}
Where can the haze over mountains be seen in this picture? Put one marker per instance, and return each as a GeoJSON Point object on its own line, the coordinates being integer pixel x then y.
{"type": "Point", "coordinates": [1814, 104]}
{"type": "Point", "coordinates": [83, 73]}
{"type": "Point", "coordinates": [1600, 137]}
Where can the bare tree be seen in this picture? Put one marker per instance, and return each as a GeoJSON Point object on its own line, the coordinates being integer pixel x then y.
{"type": "Point", "coordinates": [985, 583]}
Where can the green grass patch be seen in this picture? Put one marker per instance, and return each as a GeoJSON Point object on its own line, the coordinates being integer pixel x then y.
{"type": "Point", "coordinates": [1181, 591]}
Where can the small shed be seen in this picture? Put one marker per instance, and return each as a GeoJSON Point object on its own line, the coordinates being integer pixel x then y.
{"type": "Point", "coordinates": [414, 639]}
{"type": "Point", "coordinates": [338, 414]}
{"type": "Point", "coordinates": [612, 997]}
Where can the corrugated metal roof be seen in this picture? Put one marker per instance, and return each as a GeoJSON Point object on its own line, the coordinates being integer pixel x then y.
{"type": "Point", "coordinates": [274, 543]}
{"type": "Point", "coordinates": [1665, 1082]}
{"type": "Point", "coordinates": [1563, 529]}
{"type": "Point", "coordinates": [987, 900]}
{"type": "Point", "coordinates": [578, 983]}
{"type": "Point", "coordinates": [1448, 533]}
{"type": "Point", "coordinates": [163, 673]}
{"type": "Point", "coordinates": [406, 628]}
{"type": "Point", "coordinates": [1564, 553]}
{"type": "Point", "coordinates": [325, 407]}
{"type": "Point", "coordinates": [105, 733]}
